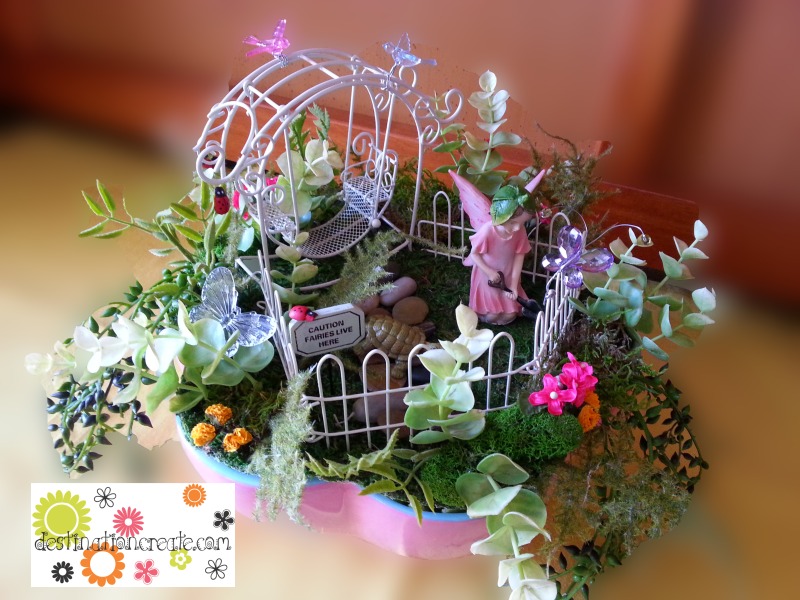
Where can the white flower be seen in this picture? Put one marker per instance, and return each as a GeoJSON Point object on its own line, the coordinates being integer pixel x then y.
{"type": "Point", "coordinates": [105, 351]}
{"type": "Point", "coordinates": [159, 350]}
{"type": "Point", "coordinates": [320, 163]}
{"type": "Point", "coordinates": [476, 340]}
{"type": "Point", "coordinates": [534, 589]}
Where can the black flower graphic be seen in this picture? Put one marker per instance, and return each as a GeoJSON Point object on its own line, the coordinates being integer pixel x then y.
{"type": "Point", "coordinates": [105, 497]}
{"type": "Point", "coordinates": [223, 519]}
{"type": "Point", "coordinates": [62, 572]}
{"type": "Point", "coordinates": [216, 569]}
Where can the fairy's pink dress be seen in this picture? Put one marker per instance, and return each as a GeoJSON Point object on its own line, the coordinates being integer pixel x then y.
{"type": "Point", "coordinates": [498, 254]}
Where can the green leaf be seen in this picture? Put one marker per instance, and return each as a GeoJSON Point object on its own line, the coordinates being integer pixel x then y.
{"type": "Point", "coordinates": [225, 223]}
{"type": "Point", "coordinates": [254, 358]}
{"type": "Point", "coordinates": [697, 320]}
{"type": "Point", "coordinates": [429, 437]}
{"type": "Point", "coordinates": [427, 493]}
{"type": "Point", "coordinates": [693, 254]}
{"type": "Point", "coordinates": [146, 225]}
{"type": "Point", "coordinates": [189, 233]}
{"type": "Point", "coordinates": [460, 397]}
{"type": "Point", "coordinates": [288, 254]}
{"type": "Point", "coordinates": [654, 349]}
{"type": "Point", "coordinates": [449, 146]}
{"type": "Point", "coordinates": [111, 234]}
{"type": "Point", "coordinates": [500, 543]}
{"type": "Point", "coordinates": [93, 205]}
{"type": "Point", "coordinates": [618, 247]}
{"type": "Point", "coordinates": [453, 127]}
{"type": "Point", "coordinates": [166, 288]}
{"type": "Point", "coordinates": [290, 297]}
{"type": "Point", "coordinates": [304, 272]}
{"type": "Point", "coordinates": [667, 300]}
{"type": "Point", "coordinates": [503, 469]}
{"type": "Point", "coordinates": [494, 503]}
{"type": "Point", "coordinates": [488, 81]}
{"type": "Point", "coordinates": [666, 326]}
{"type": "Point", "coordinates": [182, 402]}
{"type": "Point", "coordinates": [704, 299]}
{"type": "Point", "coordinates": [206, 196]}
{"type": "Point", "coordinates": [438, 362]}
{"type": "Point", "coordinates": [92, 230]}
{"type": "Point", "coordinates": [476, 143]}
{"type": "Point", "coordinates": [681, 340]}
{"type": "Point", "coordinates": [107, 199]}
{"type": "Point", "coordinates": [418, 416]}
{"type": "Point", "coordinates": [672, 268]}
{"type": "Point", "coordinates": [521, 523]}
{"type": "Point", "coordinates": [465, 426]}
{"type": "Point", "coordinates": [700, 230]}
{"type": "Point", "coordinates": [161, 251]}
{"type": "Point", "coordinates": [601, 309]}
{"type": "Point", "coordinates": [166, 385]}
{"type": "Point", "coordinates": [491, 127]}
{"type": "Point", "coordinates": [381, 486]}
{"type": "Point", "coordinates": [611, 296]}
{"type": "Point", "coordinates": [501, 138]}
{"type": "Point", "coordinates": [210, 338]}
{"type": "Point", "coordinates": [473, 486]}
{"type": "Point", "coordinates": [632, 260]}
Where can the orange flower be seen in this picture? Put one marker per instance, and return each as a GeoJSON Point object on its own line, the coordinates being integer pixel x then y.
{"type": "Point", "coordinates": [593, 400]}
{"type": "Point", "coordinates": [203, 433]}
{"type": "Point", "coordinates": [239, 437]}
{"type": "Point", "coordinates": [589, 418]}
{"type": "Point", "coordinates": [106, 575]}
{"type": "Point", "coordinates": [219, 413]}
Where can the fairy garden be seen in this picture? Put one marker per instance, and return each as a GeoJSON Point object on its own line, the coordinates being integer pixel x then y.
{"type": "Point", "coordinates": [457, 339]}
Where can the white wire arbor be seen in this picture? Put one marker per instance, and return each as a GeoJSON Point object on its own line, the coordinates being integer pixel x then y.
{"type": "Point", "coordinates": [250, 127]}
{"type": "Point", "coordinates": [264, 104]}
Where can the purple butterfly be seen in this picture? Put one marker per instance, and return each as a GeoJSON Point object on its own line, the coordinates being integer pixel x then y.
{"type": "Point", "coordinates": [570, 259]}
{"type": "Point", "coordinates": [275, 45]}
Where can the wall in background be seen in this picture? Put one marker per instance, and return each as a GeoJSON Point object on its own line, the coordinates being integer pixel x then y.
{"type": "Point", "coordinates": [698, 98]}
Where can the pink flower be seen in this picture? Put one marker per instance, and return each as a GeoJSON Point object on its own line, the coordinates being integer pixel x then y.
{"type": "Point", "coordinates": [128, 522]}
{"type": "Point", "coordinates": [552, 395]}
{"type": "Point", "coordinates": [578, 374]}
{"type": "Point", "coordinates": [145, 571]}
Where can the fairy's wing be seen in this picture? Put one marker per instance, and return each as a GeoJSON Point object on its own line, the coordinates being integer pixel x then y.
{"type": "Point", "coordinates": [476, 205]}
{"type": "Point", "coordinates": [404, 44]}
{"type": "Point", "coordinates": [254, 328]}
{"type": "Point", "coordinates": [218, 297]}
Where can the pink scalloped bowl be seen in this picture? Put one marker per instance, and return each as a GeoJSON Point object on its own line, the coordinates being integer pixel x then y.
{"type": "Point", "coordinates": [337, 508]}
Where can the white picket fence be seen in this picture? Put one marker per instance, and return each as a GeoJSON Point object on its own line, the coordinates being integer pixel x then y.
{"type": "Point", "coordinates": [334, 415]}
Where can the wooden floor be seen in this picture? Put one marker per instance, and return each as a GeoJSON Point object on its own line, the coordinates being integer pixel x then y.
{"type": "Point", "coordinates": [738, 539]}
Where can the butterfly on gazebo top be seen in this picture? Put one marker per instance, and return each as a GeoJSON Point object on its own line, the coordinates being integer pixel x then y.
{"type": "Point", "coordinates": [402, 56]}
{"type": "Point", "coordinates": [274, 45]}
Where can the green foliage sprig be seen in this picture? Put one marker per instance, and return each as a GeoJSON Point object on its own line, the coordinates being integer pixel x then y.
{"type": "Point", "coordinates": [623, 292]}
{"type": "Point", "coordinates": [302, 271]}
{"type": "Point", "coordinates": [362, 274]}
{"type": "Point", "coordinates": [393, 476]}
{"type": "Point", "coordinates": [514, 517]}
{"type": "Point", "coordinates": [431, 409]}
{"type": "Point", "coordinates": [474, 158]}
{"type": "Point", "coordinates": [280, 466]}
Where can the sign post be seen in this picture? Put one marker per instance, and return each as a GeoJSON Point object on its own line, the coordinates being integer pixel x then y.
{"type": "Point", "coordinates": [334, 328]}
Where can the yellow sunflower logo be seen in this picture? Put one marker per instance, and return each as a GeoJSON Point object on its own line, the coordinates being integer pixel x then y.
{"type": "Point", "coordinates": [194, 494]}
{"type": "Point", "coordinates": [60, 519]}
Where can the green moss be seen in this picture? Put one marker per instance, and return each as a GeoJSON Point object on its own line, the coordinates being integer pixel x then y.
{"type": "Point", "coordinates": [530, 440]}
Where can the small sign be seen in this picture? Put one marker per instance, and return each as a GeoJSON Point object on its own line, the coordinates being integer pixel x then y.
{"type": "Point", "coordinates": [334, 328]}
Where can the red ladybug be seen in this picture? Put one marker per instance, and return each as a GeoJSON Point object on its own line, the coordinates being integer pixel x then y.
{"type": "Point", "coordinates": [222, 204]}
{"type": "Point", "coordinates": [302, 313]}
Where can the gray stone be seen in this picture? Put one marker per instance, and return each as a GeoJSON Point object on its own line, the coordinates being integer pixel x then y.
{"type": "Point", "coordinates": [369, 304]}
{"type": "Point", "coordinates": [411, 310]}
{"type": "Point", "coordinates": [402, 288]}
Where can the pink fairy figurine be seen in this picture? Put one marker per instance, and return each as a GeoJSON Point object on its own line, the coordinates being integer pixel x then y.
{"type": "Point", "coordinates": [499, 246]}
